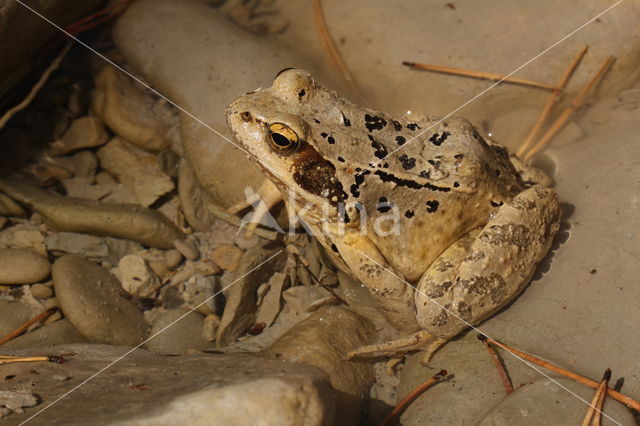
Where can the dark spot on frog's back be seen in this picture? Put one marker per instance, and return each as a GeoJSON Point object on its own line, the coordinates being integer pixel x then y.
{"type": "Point", "coordinates": [432, 206]}
{"type": "Point", "coordinates": [380, 149]}
{"type": "Point", "coordinates": [437, 139]}
{"type": "Point", "coordinates": [373, 122]}
{"type": "Point", "coordinates": [407, 162]}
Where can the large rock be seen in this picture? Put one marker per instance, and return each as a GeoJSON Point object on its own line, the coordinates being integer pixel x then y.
{"type": "Point", "coordinates": [177, 331]}
{"type": "Point", "coordinates": [91, 298]}
{"type": "Point", "coordinates": [323, 340]}
{"type": "Point", "coordinates": [147, 389]}
{"type": "Point", "coordinates": [190, 60]}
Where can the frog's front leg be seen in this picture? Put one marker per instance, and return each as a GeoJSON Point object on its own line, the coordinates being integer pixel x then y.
{"type": "Point", "coordinates": [485, 270]}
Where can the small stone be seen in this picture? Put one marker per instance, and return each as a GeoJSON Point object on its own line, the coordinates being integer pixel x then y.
{"type": "Point", "coordinates": [60, 378]}
{"type": "Point", "coordinates": [85, 132]}
{"type": "Point", "coordinates": [186, 249]}
{"type": "Point", "coordinates": [105, 179]}
{"type": "Point", "coordinates": [91, 298]}
{"type": "Point", "coordinates": [24, 236]}
{"type": "Point", "coordinates": [56, 316]}
{"type": "Point", "coordinates": [136, 169]}
{"type": "Point", "coordinates": [227, 257]}
{"type": "Point", "coordinates": [22, 266]}
{"type": "Point", "coordinates": [41, 291]}
{"type": "Point", "coordinates": [159, 268]}
{"type": "Point", "coordinates": [85, 164]}
{"type": "Point", "coordinates": [210, 327]}
{"type": "Point", "coordinates": [179, 330]}
{"type": "Point", "coordinates": [173, 258]}
{"type": "Point", "coordinates": [137, 277]}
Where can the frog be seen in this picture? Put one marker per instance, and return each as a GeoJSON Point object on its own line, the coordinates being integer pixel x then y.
{"type": "Point", "coordinates": [443, 225]}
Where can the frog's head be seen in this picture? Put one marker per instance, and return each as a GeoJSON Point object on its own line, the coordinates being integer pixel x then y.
{"type": "Point", "coordinates": [278, 128]}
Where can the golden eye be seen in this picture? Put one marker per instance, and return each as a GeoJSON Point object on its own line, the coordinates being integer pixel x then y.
{"type": "Point", "coordinates": [283, 138]}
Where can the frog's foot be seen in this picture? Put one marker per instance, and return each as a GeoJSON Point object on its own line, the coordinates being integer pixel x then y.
{"type": "Point", "coordinates": [266, 197]}
{"type": "Point", "coordinates": [420, 340]}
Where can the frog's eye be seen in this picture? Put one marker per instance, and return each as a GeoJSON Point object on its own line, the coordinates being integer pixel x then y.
{"type": "Point", "coordinates": [283, 138]}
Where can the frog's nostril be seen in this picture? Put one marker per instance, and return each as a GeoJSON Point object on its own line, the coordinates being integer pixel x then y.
{"type": "Point", "coordinates": [246, 116]}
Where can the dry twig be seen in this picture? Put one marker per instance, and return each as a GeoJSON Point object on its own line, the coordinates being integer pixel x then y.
{"type": "Point", "coordinates": [546, 112]}
{"type": "Point", "coordinates": [35, 89]}
{"type": "Point", "coordinates": [18, 331]}
{"type": "Point", "coordinates": [626, 400]}
{"type": "Point", "coordinates": [577, 102]}
{"type": "Point", "coordinates": [478, 74]}
{"type": "Point", "coordinates": [402, 405]}
{"type": "Point", "coordinates": [598, 401]}
{"type": "Point", "coordinates": [48, 358]}
{"type": "Point", "coordinates": [506, 381]}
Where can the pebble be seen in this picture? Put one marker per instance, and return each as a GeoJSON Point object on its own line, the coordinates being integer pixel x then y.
{"type": "Point", "coordinates": [24, 235]}
{"type": "Point", "coordinates": [41, 291]}
{"type": "Point", "coordinates": [85, 164]}
{"type": "Point", "coordinates": [90, 297]}
{"type": "Point", "coordinates": [136, 169]}
{"type": "Point", "coordinates": [210, 327]}
{"type": "Point", "coordinates": [187, 249]}
{"type": "Point", "coordinates": [17, 400]}
{"type": "Point", "coordinates": [175, 338]}
{"type": "Point", "coordinates": [137, 277]}
{"type": "Point", "coordinates": [227, 257]}
{"type": "Point", "coordinates": [173, 258]}
{"type": "Point", "coordinates": [8, 207]}
{"type": "Point", "coordinates": [84, 132]}
{"type": "Point", "coordinates": [22, 266]}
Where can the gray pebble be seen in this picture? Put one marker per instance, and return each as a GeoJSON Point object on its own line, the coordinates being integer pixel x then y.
{"type": "Point", "coordinates": [22, 266]}
{"type": "Point", "coordinates": [91, 298]}
{"type": "Point", "coordinates": [173, 258]}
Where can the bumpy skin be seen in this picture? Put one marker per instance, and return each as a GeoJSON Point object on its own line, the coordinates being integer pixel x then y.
{"type": "Point", "coordinates": [470, 229]}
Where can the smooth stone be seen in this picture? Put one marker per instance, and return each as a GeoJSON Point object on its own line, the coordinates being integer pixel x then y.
{"type": "Point", "coordinates": [173, 259]}
{"type": "Point", "coordinates": [176, 338]}
{"type": "Point", "coordinates": [84, 132]}
{"type": "Point", "coordinates": [544, 402]}
{"type": "Point", "coordinates": [322, 340]}
{"type": "Point", "coordinates": [130, 111]}
{"type": "Point", "coordinates": [144, 389]}
{"type": "Point", "coordinates": [41, 291]}
{"type": "Point", "coordinates": [91, 298]}
{"type": "Point", "coordinates": [22, 266]}
{"type": "Point", "coordinates": [60, 332]}
{"type": "Point", "coordinates": [85, 164]}
{"type": "Point", "coordinates": [131, 222]}
{"type": "Point", "coordinates": [187, 249]}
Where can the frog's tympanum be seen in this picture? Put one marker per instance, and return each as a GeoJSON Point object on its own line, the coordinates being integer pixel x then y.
{"type": "Point", "coordinates": [444, 227]}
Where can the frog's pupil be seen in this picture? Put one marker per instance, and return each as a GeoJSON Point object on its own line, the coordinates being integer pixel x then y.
{"type": "Point", "coordinates": [280, 140]}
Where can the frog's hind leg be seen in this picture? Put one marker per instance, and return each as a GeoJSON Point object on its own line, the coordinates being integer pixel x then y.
{"type": "Point", "coordinates": [487, 268]}
{"type": "Point", "coordinates": [421, 340]}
